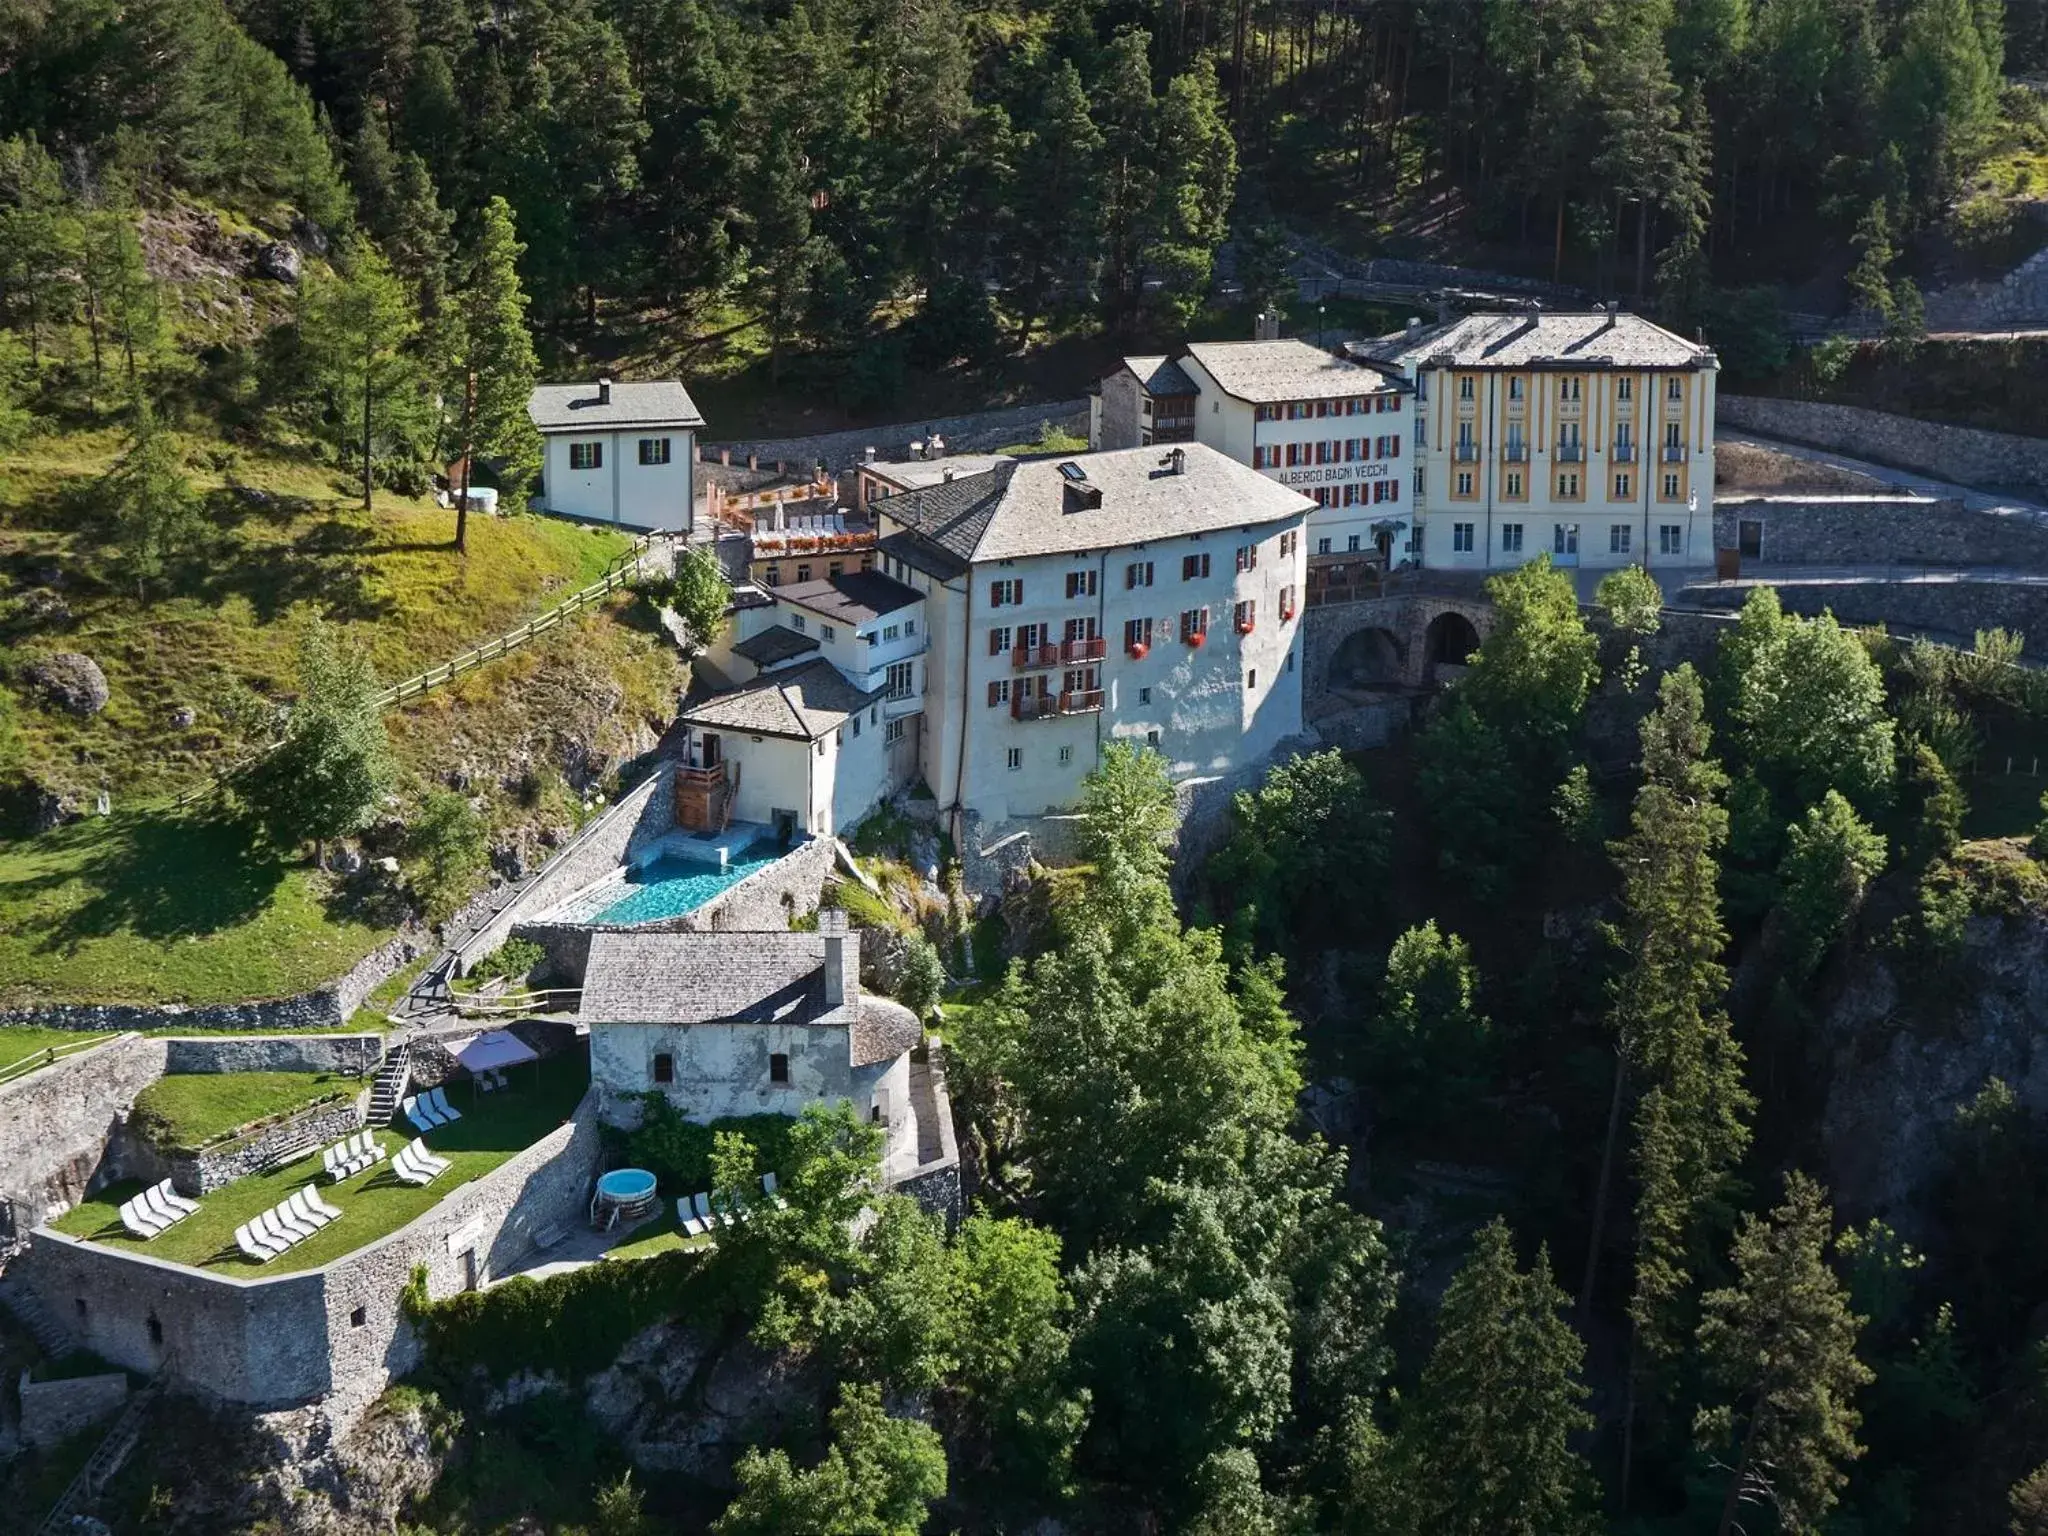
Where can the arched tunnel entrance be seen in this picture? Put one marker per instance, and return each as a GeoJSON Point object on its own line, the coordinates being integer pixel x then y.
{"type": "Point", "coordinates": [1450, 640]}
{"type": "Point", "coordinates": [1370, 661]}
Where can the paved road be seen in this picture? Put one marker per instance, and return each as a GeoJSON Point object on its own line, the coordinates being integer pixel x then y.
{"type": "Point", "coordinates": [1975, 500]}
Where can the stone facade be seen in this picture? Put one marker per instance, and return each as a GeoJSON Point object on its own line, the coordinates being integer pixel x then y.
{"type": "Point", "coordinates": [982, 432]}
{"type": "Point", "coordinates": [54, 1411]}
{"type": "Point", "coordinates": [351, 1055]}
{"type": "Point", "coordinates": [194, 1174]}
{"type": "Point", "coordinates": [325, 1007]}
{"type": "Point", "coordinates": [1867, 530]}
{"type": "Point", "coordinates": [336, 1333]}
{"type": "Point", "coordinates": [1965, 455]}
{"type": "Point", "coordinates": [1408, 618]}
{"type": "Point", "coordinates": [56, 1125]}
{"type": "Point", "coordinates": [1948, 604]}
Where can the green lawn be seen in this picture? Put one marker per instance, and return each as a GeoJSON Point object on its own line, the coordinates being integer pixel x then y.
{"type": "Point", "coordinates": [375, 1203]}
{"type": "Point", "coordinates": [191, 1111]}
{"type": "Point", "coordinates": [19, 1044]}
{"type": "Point", "coordinates": [157, 908]}
{"type": "Point", "coordinates": [661, 1235]}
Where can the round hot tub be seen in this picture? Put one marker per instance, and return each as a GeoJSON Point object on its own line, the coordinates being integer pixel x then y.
{"type": "Point", "coordinates": [624, 1194]}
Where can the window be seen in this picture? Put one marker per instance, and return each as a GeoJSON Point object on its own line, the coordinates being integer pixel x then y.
{"type": "Point", "coordinates": [1464, 482]}
{"type": "Point", "coordinates": [653, 450]}
{"type": "Point", "coordinates": [998, 692]}
{"type": "Point", "coordinates": [1564, 538]}
{"type": "Point", "coordinates": [1014, 759]}
{"type": "Point", "coordinates": [1151, 738]}
{"type": "Point", "coordinates": [1286, 604]}
{"type": "Point", "coordinates": [1351, 544]}
{"type": "Point", "coordinates": [1568, 484]}
{"type": "Point", "coordinates": [1618, 539]}
{"type": "Point", "coordinates": [359, 1317]}
{"type": "Point", "coordinates": [1031, 636]}
{"type": "Point", "coordinates": [1421, 388]}
{"type": "Point", "coordinates": [1137, 632]}
{"type": "Point", "coordinates": [1386, 490]}
{"type": "Point", "coordinates": [1622, 486]}
{"type": "Point", "coordinates": [998, 640]}
{"type": "Point", "coordinates": [774, 575]}
{"type": "Point", "coordinates": [827, 632]}
{"type": "Point", "coordinates": [909, 627]}
{"type": "Point", "coordinates": [892, 733]}
{"type": "Point", "coordinates": [1569, 389]}
{"type": "Point", "coordinates": [1144, 695]}
{"type": "Point", "coordinates": [797, 622]}
{"type": "Point", "coordinates": [586, 455]}
{"type": "Point", "coordinates": [821, 746]}
{"type": "Point", "coordinates": [1670, 539]}
{"type": "Point", "coordinates": [1194, 567]}
{"type": "Point", "coordinates": [1194, 623]}
{"type": "Point", "coordinates": [1289, 543]}
{"type": "Point", "coordinates": [778, 1067]}
{"type": "Point", "coordinates": [1511, 538]}
{"type": "Point", "coordinates": [1245, 616]}
{"type": "Point", "coordinates": [1671, 487]}
{"type": "Point", "coordinates": [1465, 387]}
{"type": "Point", "coordinates": [1137, 574]}
{"type": "Point", "coordinates": [1322, 546]}
{"type": "Point", "coordinates": [664, 1067]}
{"type": "Point", "coordinates": [1514, 386]}
{"type": "Point", "coordinates": [902, 680]}
{"type": "Point", "coordinates": [1514, 485]}
{"type": "Point", "coordinates": [1009, 592]}
{"type": "Point", "coordinates": [856, 727]}
{"type": "Point", "coordinates": [1080, 584]}
{"type": "Point", "coordinates": [1066, 756]}
{"type": "Point", "coordinates": [1461, 538]}
{"type": "Point", "coordinates": [1670, 434]}
{"type": "Point", "coordinates": [803, 573]}
{"type": "Point", "coordinates": [1624, 388]}
{"type": "Point", "coordinates": [1673, 389]}
{"type": "Point", "coordinates": [889, 632]}
{"type": "Point", "coordinates": [1247, 556]}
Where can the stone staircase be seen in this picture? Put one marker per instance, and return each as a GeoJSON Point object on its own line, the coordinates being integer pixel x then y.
{"type": "Point", "coordinates": [389, 1087]}
{"type": "Point", "coordinates": [27, 1309]}
{"type": "Point", "coordinates": [94, 1476]}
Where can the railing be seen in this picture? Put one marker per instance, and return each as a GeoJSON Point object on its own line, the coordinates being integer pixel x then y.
{"type": "Point", "coordinates": [1033, 706]}
{"type": "Point", "coordinates": [1467, 453]}
{"type": "Point", "coordinates": [770, 545]}
{"type": "Point", "coordinates": [1624, 453]}
{"type": "Point", "coordinates": [1674, 453]}
{"type": "Point", "coordinates": [1080, 701]}
{"type": "Point", "coordinates": [1571, 453]}
{"type": "Point", "coordinates": [518, 1002]}
{"type": "Point", "coordinates": [1092, 649]}
{"type": "Point", "coordinates": [51, 1056]}
{"type": "Point", "coordinates": [1035, 656]}
{"type": "Point", "coordinates": [1516, 453]}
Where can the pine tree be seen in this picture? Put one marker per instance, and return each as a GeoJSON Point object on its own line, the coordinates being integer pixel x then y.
{"type": "Point", "coordinates": [39, 239]}
{"type": "Point", "coordinates": [358, 327]}
{"type": "Point", "coordinates": [1485, 1449]}
{"type": "Point", "coordinates": [1779, 1348]}
{"type": "Point", "coordinates": [1057, 201]}
{"type": "Point", "coordinates": [155, 509]}
{"type": "Point", "coordinates": [1197, 161]}
{"type": "Point", "coordinates": [1640, 115]}
{"type": "Point", "coordinates": [1125, 113]}
{"type": "Point", "coordinates": [499, 364]}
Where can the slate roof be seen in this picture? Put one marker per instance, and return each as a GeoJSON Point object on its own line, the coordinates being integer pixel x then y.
{"type": "Point", "coordinates": [1532, 339]}
{"type": "Point", "coordinates": [575, 407]}
{"type": "Point", "coordinates": [720, 977]}
{"type": "Point", "coordinates": [1020, 510]}
{"type": "Point", "coordinates": [774, 645]}
{"type": "Point", "coordinates": [882, 1031]}
{"type": "Point", "coordinates": [915, 474]}
{"type": "Point", "coordinates": [803, 703]}
{"type": "Point", "coordinates": [853, 597]}
{"type": "Point", "coordinates": [1161, 376]}
{"type": "Point", "coordinates": [1267, 372]}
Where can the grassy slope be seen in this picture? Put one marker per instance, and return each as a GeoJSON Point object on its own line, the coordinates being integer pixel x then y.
{"type": "Point", "coordinates": [17, 1044]}
{"type": "Point", "coordinates": [192, 1110]}
{"type": "Point", "coordinates": [374, 1203]}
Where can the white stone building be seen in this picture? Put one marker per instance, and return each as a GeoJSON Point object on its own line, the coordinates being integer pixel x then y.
{"type": "Point", "coordinates": [738, 1023]}
{"type": "Point", "coordinates": [1145, 595]}
{"type": "Point", "coordinates": [619, 453]}
{"type": "Point", "coordinates": [1585, 436]}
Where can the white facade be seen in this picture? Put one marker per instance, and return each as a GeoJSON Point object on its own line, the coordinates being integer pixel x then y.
{"type": "Point", "coordinates": [619, 453]}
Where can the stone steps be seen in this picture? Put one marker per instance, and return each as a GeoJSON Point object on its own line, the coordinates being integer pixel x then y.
{"type": "Point", "coordinates": [389, 1087]}
{"type": "Point", "coordinates": [27, 1309]}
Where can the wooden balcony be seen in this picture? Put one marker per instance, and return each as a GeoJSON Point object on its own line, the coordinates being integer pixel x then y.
{"type": "Point", "coordinates": [1068, 653]}
{"type": "Point", "coordinates": [1033, 706]}
{"type": "Point", "coordinates": [1081, 701]}
{"type": "Point", "coordinates": [1025, 657]}
{"type": "Point", "coordinates": [704, 797]}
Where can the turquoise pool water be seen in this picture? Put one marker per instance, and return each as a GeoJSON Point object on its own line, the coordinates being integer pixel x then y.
{"type": "Point", "coordinates": [670, 886]}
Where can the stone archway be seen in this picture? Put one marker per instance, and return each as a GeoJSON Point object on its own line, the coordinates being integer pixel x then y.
{"type": "Point", "coordinates": [1450, 640]}
{"type": "Point", "coordinates": [1368, 659]}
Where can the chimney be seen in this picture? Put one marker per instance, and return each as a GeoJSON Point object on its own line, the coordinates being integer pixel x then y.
{"type": "Point", "coordinates": [935, 448]}
{"type": "Point", "coordinates": [867, 455]}
{"type": "Point", "coordinates": [725, 457]}
{"type": "Point", "coordinates": [753, 461]}
{"type": "Point", "coordinates": [949, 474]}
{"type": "Point", "coordinates": [1414, 326]}
{"type": "Point", "coordinates": [1266, 326]}
{"type": "Point", "coordinates": [1177, 462]}
{"type": "Point", "coordinates": [832, 928]}
{"type": "Point", "coordinates": [604, 391]}
{"type": "Point", "coordinates": [917, 447]}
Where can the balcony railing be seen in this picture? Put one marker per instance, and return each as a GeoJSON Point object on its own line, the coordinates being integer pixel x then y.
{"type": "Point", "coordinates": [1516, 453]}
{"type": "Point", "coordinates": [1033, 706]}
{"type": "Point", "coordinates": [1624, 453]}
{"type": "Point", "coordinates": [1674, 453]}
{"type": "Point", "coordinates": [1026, 656]}
{"type": "Point", "coordinates": [1072, 651]}
{"type": "Point", "coordinates": [1467, 453]}
{"type": "Point", "coordinates": [1570, 453]}
{"type": "Point", "coordinates": [1081, 701]}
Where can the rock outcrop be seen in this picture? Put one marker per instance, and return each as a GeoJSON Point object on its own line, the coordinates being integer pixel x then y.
{"type": "Point", "coordinates": [71, 681]}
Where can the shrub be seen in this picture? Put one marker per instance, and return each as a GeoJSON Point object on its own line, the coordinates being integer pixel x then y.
{"type": "Point", "coordinates": [446, 845]}
{"type": "Point", "coordinates": [515, 960]}
{"type": "Point", "coordinates": [678, 1151]}
{"type": "Point", "coordinates": [924, 977]}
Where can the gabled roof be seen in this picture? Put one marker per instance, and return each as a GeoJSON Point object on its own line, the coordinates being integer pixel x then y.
{"type": "Point", "coordinates": [802, 703]}
{"type": "Point", "coordinates": [1161, 375]}
{"type": "Point", "coordinates": [915, 474]}
{"type": "Point", "coordinates": [773, 646]}
{"type": "Point", "coordinates": [1021, 510]}
{"type": "Point", "coordinates": [1540, 339]}
{"type": "Point", "coordinates": [714, 978]}
{"type": "Point", "coordinates": [853, 597]}
{"type": "Point", "coordinates": [1268, 372]}
{"type": "Point", "coordinates": [576, 407]}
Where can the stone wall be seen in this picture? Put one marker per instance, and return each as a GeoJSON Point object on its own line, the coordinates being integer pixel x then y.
{"type": "Point", "coordinates": [1871, 530]}
{"type": "Point", "coordinates": [1965, 455]}
{"type": "Point", "coordinates": [981, 432]}
{"type": "Point", "coordinates": [325, 1007]}
{"type": "Point", "coordinates": [350, 1055]}
{"type": "Point", "coordinates": [1365, 725]}
{"type": "Point", "coordinates": [1953, 605]}
{"type": "Point", "coordinates": [194, 1174]}
{"type": "Point", "coordinates": [54, 1411]}
{"type": "Point", "coordinates": [56, 1124]}
{"type": "Point", "coordinates": [338, 1332]}
{"type": "Point", "coordinates": [641, 815]}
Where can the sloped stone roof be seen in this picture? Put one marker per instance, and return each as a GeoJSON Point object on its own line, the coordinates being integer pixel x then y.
{"type": "Point", "coordinates": [804, 702]}
{"type": "Point", "coordinates": [1540, 339]}
{"type": "Point", "coordinates": [882, 1031]}
{"type": "Point", "coordinates": [1161, 375]}
{"type": "Point", "coordinates": [1267, 372]}
{"type": "Point", "coordinates": [717, 978]}
{"type": "Point", "coordinates": [774, 645]}
{"type": "Point", "coordinates": [576, 408]}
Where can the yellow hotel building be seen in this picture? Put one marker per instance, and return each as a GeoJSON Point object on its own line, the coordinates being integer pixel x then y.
{"type": "Point", "coordinates": [1587, 436]}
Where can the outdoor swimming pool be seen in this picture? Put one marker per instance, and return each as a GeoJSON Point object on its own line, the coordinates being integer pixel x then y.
{"type": "Point", "coordinates": [671, 886]}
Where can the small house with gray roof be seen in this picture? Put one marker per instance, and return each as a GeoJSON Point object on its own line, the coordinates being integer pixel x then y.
{"type": "Point", "coordinates": [732, 1023]}
{"type": "Point", "coordinates": [1144, 400]}
{"type": "Point", "coordinates": [619, 452]}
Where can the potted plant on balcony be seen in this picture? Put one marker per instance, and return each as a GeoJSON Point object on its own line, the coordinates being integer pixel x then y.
{"type": "Point", "coordinates": [1197, 638]}
{"type": "Point", "coordinates": [1140, 650]}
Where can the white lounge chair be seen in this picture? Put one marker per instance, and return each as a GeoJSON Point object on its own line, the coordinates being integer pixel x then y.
{"type": "Point", "coordinates": [282, 1223]}
{"type": "Point", "coordinates": [306, 1211]}
{"type": "Point", "coordinates": [268, 1226]}
{"type": "Point", "coordinates": [438, 1098]}
{"type": "Point", "coordinates": [175, 1201]}
{"type": "Point", "coordinates": [416, 1165]}
{"type": "Point", "coordinates": [152, 1201]}
{"type": "Point", "coordinates": [711, 1217]}
{"type": "Point", "coordinates": [769, 1188]}
{"type": "Point", "coordinates": [258, 1248]}
{"type": "Point", "coordinates": [331, 1212]}
{"type": "Point", "coordinates": [687, 1218]}
{"type": "Point", "coordinates": [429, 1159]}
{"type": "Point", "coordinates": [138, 1220]}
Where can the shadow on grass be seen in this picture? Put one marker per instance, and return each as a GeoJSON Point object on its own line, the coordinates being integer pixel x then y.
{"type": "Point", "coordinates": [159, 877]}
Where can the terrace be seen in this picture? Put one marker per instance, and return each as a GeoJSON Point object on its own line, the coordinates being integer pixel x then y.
{"type": "Point", "coordinates": [493, 1129]}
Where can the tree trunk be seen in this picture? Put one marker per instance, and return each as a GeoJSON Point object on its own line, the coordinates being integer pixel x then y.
{"type": "Point", "coordinates": [1606, 1184]}
{"type": "Point", "coordinates": [468, 449]}
{"type": "Point", "coordinates": [366, 423]}
{"type": "Point", "coordinates": [1732, 1500]}
{"type": "Point", "coordinates": [1557, 253]}
{"type": "Point", "coordinates": [1642, 243]}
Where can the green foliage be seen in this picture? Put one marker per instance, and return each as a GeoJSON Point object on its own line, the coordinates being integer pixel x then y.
{"type": "Point", "coordinates": [1830, 859]}
{"type": "Point", "coordinates": [186, 1112]}
{"type": "Point", "coordinates": [700, 594]}
{"type": "Point", "coordinates": [1632, 599]}
{"type": "Point", "coordinates": [357, 327]}
{"type": "Point", "coordinates": [678, 1151]}
{"type": "Point", "coordinates": [1931, 807]}
{"type": "Point", "coordinates": [1576, 805]}
{"type": "Point", "coordinates": [1427, 1051]}
{"type": "Point", "coordinates": [879, 1477]}
{"type": "Point", "coordinates": [1473, 792]}
{"type": "Point", "coordinates": [155, 510]}
{"type": "Point", "coordinates": [1485, 1446]}
{"type": "Point", "coordinates": [1779, 1349]}
{"type": "Point", "coordinates": [329, 774]}
{"type": "Point", "coordinates": [923, 981]}
{"type": "Point", "coordinates": [1994, 1203]}
{"type": "Point", "coordinates": [447, 842]}
{"type": "Point", "coordinates": [618, 1509]}
{"type": "Point", "coordinates": [514, 960]}
{"type": "Point", "coordinates": [497, 354]}
{"type": "Point", "coordinates": [1533, 672]}
{"type": "Point", "coordinates": [1306, 861]}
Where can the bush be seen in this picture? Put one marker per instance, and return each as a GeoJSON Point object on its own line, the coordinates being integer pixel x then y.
{"type": "Point", "coordinates": [924, 977]}
{"type": "Point", "coordinates": [678, 1151]}
{"type": "Point", "coordinates": [514, 960]}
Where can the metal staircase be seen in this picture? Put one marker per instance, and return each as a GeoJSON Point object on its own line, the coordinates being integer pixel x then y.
{"type": "Point", "coordinates": [389, 1087]}
{"type": "Point", "coordinates": [94, 1476]}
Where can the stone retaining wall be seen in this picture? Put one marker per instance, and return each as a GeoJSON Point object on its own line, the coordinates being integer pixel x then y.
{"type": "Point", "coordinates": [199, 1055]}
{"type": "Point", "coordinates": [981, 432]}
{"type": "Point", "coordinates": [57, 1123]}
{"type": "Point", "coordinates": [194, 1174]}
{"type": "Point", "coordinates": [54, 1411]}
{"type": "Point", "coordinates": [1953, 606]}
{"type": "Point", "coordinates": [1865, 530]}
{"type": "Point", "coordinates": [325, 1007]}
{"type": "Point", "coordinates": [1965, 455]}
{"type": "Point", "coordinates": [336, 1333]}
